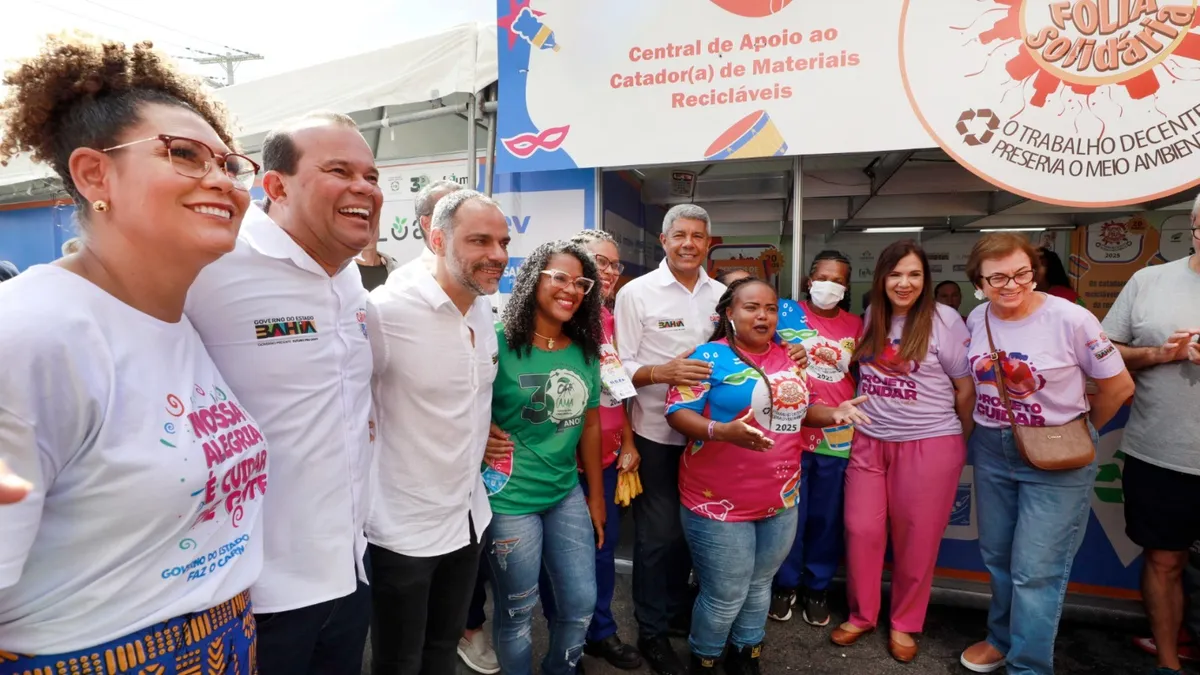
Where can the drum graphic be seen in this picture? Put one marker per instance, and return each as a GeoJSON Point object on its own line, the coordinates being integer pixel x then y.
{"type": "Point", "coordinates": [755, 135]}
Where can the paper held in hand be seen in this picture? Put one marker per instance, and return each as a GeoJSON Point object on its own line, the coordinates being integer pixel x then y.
{"type": "Point", "coordinates": [613, 376]}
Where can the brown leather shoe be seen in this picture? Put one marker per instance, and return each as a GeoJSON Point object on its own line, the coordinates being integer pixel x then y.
{"type": "Point", "coordinates": [843, 637]}
{"type": "Point", "coordinates": [902, 653]}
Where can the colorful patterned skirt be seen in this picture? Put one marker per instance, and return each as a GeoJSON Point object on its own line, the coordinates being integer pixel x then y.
{"type": "Point", "coordinates": [217, 641]}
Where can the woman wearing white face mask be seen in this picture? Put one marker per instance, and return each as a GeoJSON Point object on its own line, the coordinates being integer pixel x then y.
{"type": "Point", "coordinates": [830, 335]}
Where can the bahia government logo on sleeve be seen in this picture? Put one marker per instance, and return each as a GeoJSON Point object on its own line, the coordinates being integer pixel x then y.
{"type": "Point", "coordinates": [1071, 102]}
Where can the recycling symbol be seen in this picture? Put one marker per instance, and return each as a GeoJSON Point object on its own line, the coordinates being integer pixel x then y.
{"type": "Point", "coordinates": [984, 117]}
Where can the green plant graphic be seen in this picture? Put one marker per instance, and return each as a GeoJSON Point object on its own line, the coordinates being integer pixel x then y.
{"type": "Point", "coordinates": [1107, 478]}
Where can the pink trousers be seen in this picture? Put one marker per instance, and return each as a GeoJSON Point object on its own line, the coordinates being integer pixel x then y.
{"type": "Point", "coordinates": [905, 490]}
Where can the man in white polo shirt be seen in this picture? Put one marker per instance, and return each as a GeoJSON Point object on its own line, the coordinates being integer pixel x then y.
{"type": "Point", "coordinates": [284, 318]}
{"type": "Point", "coordinates": [430, 506]}
{"type": "Point", "coordinates": [659, 316]}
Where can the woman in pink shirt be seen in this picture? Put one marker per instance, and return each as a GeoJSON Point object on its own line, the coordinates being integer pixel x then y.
{"type": "Point", "coordinates": [739, 479]}
{"type": "Point", "coordinates": [618, 455]}
{"type": "Point", "coordinates": [904, 466]}
{"type": "Point", "coordinates": [1031, 521]}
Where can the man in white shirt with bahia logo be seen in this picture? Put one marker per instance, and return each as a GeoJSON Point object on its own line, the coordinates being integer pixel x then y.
{"type": "Point", "coordinates": [430, 506]}
{"type": "Point", "coordinates": [659, 316]}
{"type": "Point", "coordinates": [284, 318]}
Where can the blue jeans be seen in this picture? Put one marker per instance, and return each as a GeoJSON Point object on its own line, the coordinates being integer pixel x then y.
{"type": "Point", "coordinates": [817, 551]}
{"type": "Point", "coordinates": [735, 563]}
{"type": "Point", "coordinates": [603, 623]}
{"type": "Point", "coordinates": [561, 539]}
{"type": "Point", "coordinates": [1031, 524]}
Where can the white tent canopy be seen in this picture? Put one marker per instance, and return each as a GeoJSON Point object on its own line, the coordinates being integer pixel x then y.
{"type": "Point", "coordinates": [459, 61]}
{"type": "Point", "coordinates": [462, 60]}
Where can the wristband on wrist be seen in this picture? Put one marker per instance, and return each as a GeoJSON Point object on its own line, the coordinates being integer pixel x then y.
{"type": "Point", "coordinates": [712, 426]}
{"type": "Point", "coordinates": [652, 381]}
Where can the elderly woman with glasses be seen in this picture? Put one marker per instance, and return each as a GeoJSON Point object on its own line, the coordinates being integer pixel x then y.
{"type": "Point", "coordinates": [545, 400]}
{"type": "Point", "coordinates": [129, 536]}
{"type": "Point", "coordinates": [1031, 521]}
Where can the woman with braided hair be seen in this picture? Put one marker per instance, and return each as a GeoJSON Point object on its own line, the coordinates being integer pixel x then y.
{"type": "Point", "coordinates": [739, 479]}
{"type": "Point", "coordinates": [545, 403]}
{"type": "Point", "coordinates": [141, 533]}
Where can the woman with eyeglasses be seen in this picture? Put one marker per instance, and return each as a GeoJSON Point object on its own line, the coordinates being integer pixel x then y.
{"type": "Point", "coordinates": [740, 478]}
{"type": "Point", "coordinates": [140, 535]}
{"type": "Point", "coordinates": [546, 400]}
{"type": "Point", "coordinates": [617, 455]}
{"type": "Point", "coordinates": [1031, 521]}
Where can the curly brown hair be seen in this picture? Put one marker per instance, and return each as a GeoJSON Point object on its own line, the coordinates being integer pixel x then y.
{"type": "Point", "coordinates": [80, 91]}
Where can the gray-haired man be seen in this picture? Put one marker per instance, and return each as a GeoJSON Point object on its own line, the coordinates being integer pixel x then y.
{"type": "Point", "coordinates": [427, 199]}
{"type": "Point", "coordinates": [424, 205]}
{"type": "Point", "coordinates": [431, 507]}
{"type": "Point", "coordinates": [660, 316]}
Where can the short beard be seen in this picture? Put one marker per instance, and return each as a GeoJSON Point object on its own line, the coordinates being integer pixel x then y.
{"type": "Point", "coordinates": [463, 272]}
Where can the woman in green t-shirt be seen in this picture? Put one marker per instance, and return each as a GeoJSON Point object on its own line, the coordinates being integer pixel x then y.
{"type": "Point", "coordinates": [546, 400]}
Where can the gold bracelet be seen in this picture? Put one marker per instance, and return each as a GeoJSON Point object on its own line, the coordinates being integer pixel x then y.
{"type": "Point", "coordinates": [652, 374]}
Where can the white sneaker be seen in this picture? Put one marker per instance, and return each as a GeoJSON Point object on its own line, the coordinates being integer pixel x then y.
{"type": "Point", "coordinates": [478, 654]}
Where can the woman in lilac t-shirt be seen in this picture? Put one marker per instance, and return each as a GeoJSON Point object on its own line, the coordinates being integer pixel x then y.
{"type": "Point", "coordinates": [739, 479]}
{"type": "Point", "coordinates": [1047, 348]}
{"type": "Point", "coordinates": [905, 465]}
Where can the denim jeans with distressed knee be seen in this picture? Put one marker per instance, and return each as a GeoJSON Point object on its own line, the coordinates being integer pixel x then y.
{"type": "Point", "coordinates": [562, 539]}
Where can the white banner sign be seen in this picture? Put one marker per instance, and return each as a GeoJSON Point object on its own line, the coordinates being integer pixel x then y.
{"type": "Point", "coordinates": [651, 81]}
{"type": "Point", "coordinates": [1073, 102]}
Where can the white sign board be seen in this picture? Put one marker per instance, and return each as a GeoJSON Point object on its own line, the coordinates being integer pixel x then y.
{"type": "Point", "coordinates": [1073, 102]}
{"type": "Point", "coordinates": [626, 82]}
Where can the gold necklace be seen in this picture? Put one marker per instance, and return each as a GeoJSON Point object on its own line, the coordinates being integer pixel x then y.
{"type": "Point", "coordinates": [549, 340]}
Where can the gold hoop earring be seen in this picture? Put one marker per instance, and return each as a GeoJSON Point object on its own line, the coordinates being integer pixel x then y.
{"type": "Point", "coordinates": [100, 206]}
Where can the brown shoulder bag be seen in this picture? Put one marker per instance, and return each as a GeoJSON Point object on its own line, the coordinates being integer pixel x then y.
{"type": "Point", "coordinates": [1060, 448]}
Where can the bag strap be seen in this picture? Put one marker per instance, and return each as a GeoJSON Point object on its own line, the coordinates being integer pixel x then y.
{"type": "Point", "coordinates": [997, 368]}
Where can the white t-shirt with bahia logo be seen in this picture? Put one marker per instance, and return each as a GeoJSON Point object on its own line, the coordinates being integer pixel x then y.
{"type": "Point", "coordinates": [148, 473]}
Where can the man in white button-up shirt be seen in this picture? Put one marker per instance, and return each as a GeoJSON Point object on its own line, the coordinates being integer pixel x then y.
{"type": "Point", "coordinates": [435, 351]}
{"type": "Point", "coordinates": [475, 648]}
{"type": "Point", "coordinates": [284, 318]}
{"type": "Point", "coordinates": [660, 316]}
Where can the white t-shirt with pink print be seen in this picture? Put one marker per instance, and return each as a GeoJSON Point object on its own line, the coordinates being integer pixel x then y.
{"type": "Point", "coordinates": [149, 475]}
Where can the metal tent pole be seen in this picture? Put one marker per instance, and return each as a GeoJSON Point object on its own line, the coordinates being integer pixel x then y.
{"type": "Point", "coordinates": [489, 163]}
{"type": "Point", "coordinates": [472, 155]}
{"type": "Point", "coordinates": [797, 226]}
